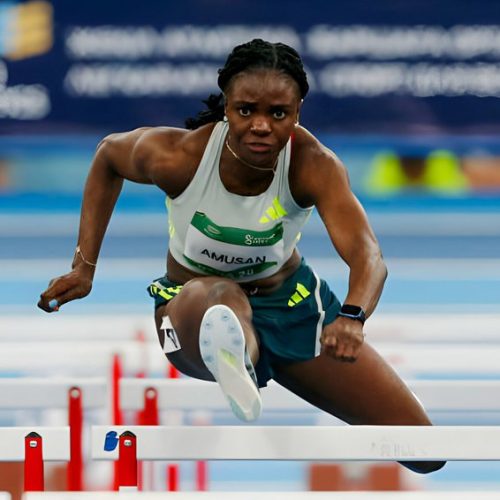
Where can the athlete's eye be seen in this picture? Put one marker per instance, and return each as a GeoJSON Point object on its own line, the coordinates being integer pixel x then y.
{"type": "Point", "coordinates": [279, 114]}
{"type": "Point", "coordinates": [244, 111]}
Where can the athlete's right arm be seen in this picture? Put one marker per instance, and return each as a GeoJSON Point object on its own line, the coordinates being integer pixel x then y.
{"type": "Point", "coordinates": [129, 156]}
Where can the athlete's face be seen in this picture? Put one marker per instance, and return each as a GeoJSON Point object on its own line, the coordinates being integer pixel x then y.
{"type": "Point", "coordinates": [262, 107]}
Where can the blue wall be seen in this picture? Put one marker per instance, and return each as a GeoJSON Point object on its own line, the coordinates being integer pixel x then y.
{"type": "Point", "coordinates": [407, 67]}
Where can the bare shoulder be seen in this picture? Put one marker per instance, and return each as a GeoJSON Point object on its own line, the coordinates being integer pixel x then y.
{"type": "Point", "coordinates": [168, 156]}
{"type": "Point", "coordinates": [159, 141]}
{"type": "Point", "coordinates": [314, 169]}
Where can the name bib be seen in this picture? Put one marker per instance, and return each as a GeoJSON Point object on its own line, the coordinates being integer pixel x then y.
{"type": "Point", "coordinates": [232, 252]}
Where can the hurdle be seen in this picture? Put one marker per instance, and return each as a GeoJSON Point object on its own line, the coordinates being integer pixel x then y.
{"type": "Point", "coordinates": [34, 446]}
{"type": "Point", "coordinates": [411, 360]}
{"type": "Point", "coordinates": [306, 443]}
{"type": "Point", "coordinates": [73, 394]}
{"type": "Point", "coordinates": [289, 495]}
{"type": "Point", "coordinates": [190, 394]}
{"type": "Point", "coordinates": [431, 328]}
{"type": "Point", "coordinates": [419, 328]}
{"type": "Point", "coordinates": [127, 445]}
{"type": "Point", "coordinates": [451, 398]}
{"type": "Point", "coordinates": [78, 358]}
{"type": "Point", "coordinates": [117, 328]}
{"type": "Point", "coordinates": [383, 327]}
{"type": "Point", "coordinates": [43, 393]}
{"type": "Point", "coordinates": [362, 442]}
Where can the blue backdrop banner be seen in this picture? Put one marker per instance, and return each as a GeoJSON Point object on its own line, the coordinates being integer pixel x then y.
{"type": "Point", "coordinates": [406, 67]}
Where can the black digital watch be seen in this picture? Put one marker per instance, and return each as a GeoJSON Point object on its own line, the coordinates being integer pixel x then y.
{"type": "Point", "coordinates": [352, 312]}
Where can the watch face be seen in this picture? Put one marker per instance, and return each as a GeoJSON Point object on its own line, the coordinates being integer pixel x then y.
{"type": "Point", "coordinates": [352, 310]}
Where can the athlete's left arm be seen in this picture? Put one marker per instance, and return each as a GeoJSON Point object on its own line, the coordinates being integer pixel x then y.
{"type": "Point", "coordinates": [352, 236]}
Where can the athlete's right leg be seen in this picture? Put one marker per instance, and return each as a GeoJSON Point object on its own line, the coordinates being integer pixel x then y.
{"type": "Point", "coordinates": [186, 311]}
{"type": "Point", "coordinates": [212, 321]}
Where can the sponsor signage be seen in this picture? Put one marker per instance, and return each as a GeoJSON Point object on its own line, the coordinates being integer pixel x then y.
{"type": "Point", "coordinates": [104, 66]}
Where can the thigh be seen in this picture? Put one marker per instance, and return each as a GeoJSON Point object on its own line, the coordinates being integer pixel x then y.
{"type": "Point", "coordinates": [185, 312]}
{"type": "Point", "coordinates": [367, 391]}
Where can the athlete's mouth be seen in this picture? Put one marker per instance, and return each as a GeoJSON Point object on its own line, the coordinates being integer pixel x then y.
{"type": "Point", "coordinates": [259, 147]}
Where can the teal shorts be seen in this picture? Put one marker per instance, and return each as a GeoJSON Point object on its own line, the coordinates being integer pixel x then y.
{"type": "Point", "coordinates": [288, 322]}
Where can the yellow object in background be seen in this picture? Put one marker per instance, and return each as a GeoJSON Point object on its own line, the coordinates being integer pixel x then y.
{"type": "Point", "coordinates": [440, 172]}
{"type": "Point", "coordinates": [26, 29]}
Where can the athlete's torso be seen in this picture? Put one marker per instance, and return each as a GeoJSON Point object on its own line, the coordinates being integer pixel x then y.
{"type": "Point", "coordinates": [245, 238]}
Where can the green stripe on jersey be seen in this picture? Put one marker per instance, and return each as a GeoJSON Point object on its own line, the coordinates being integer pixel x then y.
{"type": "Point", "coordinates": [235, 235]}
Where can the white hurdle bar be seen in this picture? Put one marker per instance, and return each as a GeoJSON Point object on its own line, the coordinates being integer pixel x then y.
{"type": "Point", "coordinates": [79, 357]}
{"type": "Point", "coordinates": [48, 393]}
{"type": "Point", "coordinates": [288, 495]}
{"type": "Point", "coordinates": [328, 443]}
{"type": "Point", "coordinates": [190, 394]}
{"type": "Point", "coordinates": [55, 443]}
{"type": "Point", "coordinates": [420, 328]}
{"type": "Point", "coordinates": [410, 360]}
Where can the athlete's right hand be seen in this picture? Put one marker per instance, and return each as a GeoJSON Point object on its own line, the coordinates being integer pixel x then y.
{"type": "Point", "coordinates": [71, 286]}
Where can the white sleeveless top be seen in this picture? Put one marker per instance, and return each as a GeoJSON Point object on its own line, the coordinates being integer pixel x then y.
{"type": "Point", "coordinates": [244, 238]}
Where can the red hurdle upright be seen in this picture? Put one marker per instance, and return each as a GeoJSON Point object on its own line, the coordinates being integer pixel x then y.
{"type": "Point", "coordinates": [75, 421]}
{"type": "Point", "coordinates": [117, 415]}
{"type": "Point", "coordinates": [33, 462]}
{"type": "Point", "coordinates": [127, 461]}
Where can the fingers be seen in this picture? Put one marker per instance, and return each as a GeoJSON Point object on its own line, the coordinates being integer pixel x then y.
{"type": "Point", "coordinates": [49, 307]}
{"type": "Point", "coordinates": [48, 304]}
{"type": "Point", "coordinates": [343, 349]}
{"type": "Point", "coordinates": [328, 344]}
{"type": "Point", "coordinates": [69, 287]}
{"type": "Point", "coordinates": [48, 299]}
{"type": "Point", "coordinates": [346, 353]}
{"type": "Point", "coordinates": [51, 303]}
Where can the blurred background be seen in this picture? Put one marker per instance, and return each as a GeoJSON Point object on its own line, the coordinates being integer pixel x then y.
{"type": "Point", "coordinates": [407, 94]}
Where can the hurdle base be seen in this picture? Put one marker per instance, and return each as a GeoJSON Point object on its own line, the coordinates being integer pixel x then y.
{"type": "Point", "coordinates": [12, 478]}
{"type": "Point", "coordinates": [371, 477]}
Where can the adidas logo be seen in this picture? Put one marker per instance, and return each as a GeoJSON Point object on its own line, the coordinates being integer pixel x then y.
{"type": "Point", "coordinates": [299, 295]}
{"type": "Point", "coordinates": [274, 212]}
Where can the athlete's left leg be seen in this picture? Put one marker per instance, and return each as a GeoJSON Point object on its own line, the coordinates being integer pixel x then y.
{"type": "Point", "coordinates": [367, 392]}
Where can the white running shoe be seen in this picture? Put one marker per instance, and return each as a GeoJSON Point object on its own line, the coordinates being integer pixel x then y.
{"type": "Point", "coordinates": [222, 347]}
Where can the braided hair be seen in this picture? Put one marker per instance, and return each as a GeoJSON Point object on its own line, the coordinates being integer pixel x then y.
{"type": "Point", "coordinates": [251, 55]}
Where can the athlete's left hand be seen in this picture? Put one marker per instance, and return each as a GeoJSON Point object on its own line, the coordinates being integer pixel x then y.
{"type": "Point", "coordinates": [342, 339]}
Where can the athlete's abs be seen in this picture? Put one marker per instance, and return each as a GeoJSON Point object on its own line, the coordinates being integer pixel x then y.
{"type": "Point", "coordinates": [180, 274]}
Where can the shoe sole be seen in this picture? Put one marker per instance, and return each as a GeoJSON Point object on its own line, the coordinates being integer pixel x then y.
{"type": "Point", "coordinates": [222, 347]}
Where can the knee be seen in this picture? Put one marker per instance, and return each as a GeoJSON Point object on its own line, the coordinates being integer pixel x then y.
{"type": "Point", "coordinates": [224, 289]}
{"type": "Point", "coordinates": [213, 289]}
{"type": "Point", "coordinates": [424, 467]}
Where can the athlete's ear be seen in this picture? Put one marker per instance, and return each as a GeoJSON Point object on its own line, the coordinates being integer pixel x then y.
{"type": "Point", "coordinates": [298, 111]}
{"type": "Point", "coordinates": [225, 104]}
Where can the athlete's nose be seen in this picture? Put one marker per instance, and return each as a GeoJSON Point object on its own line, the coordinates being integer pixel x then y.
{"type": "Point", "coordinates": [260, 125]}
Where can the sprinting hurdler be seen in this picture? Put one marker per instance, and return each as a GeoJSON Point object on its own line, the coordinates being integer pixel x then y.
{"type": "Point", "coordinates": [238, 304]}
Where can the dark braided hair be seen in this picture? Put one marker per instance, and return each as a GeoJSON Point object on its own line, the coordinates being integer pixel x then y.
{"type": "Point", "coordinates": [251, 55]}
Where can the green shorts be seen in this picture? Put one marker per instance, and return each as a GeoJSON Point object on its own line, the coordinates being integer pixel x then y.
{"type": "Point", "coordinates": [288, 322]}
